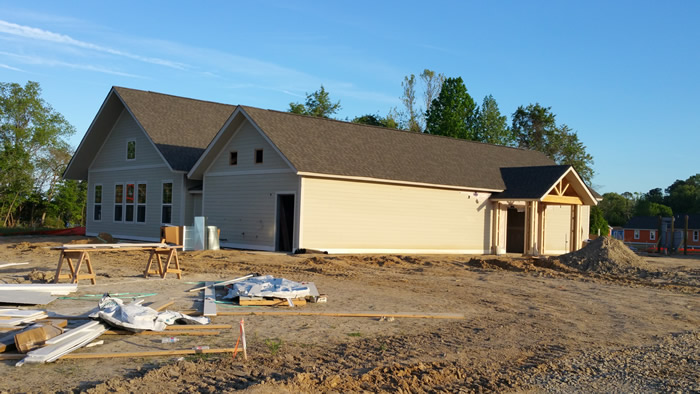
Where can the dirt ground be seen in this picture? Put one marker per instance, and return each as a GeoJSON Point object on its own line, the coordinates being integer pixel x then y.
{"type": "Point", "coordinates": [530, 325]}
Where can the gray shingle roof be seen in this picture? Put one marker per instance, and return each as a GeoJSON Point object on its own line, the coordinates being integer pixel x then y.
{"type": "Point", "coordinates": [529, 182]}
{"type": "Point", "coordinates": [181, 128]}
{"type": "Point", "coordinates": [329, 146]}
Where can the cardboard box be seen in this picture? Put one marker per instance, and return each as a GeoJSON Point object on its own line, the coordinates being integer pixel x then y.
{"type": "Point", "coordinates": [172, 235]}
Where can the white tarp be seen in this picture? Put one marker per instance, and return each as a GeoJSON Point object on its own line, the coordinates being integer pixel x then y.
{"type": "Point", "coordinates": [268, 286]}
{"type": "Point", "coordinates": [136, 317]}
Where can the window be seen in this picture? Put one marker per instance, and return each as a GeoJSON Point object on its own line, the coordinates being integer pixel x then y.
{"type": "Point", "coordinates": [636, 234]}
{"type": "Point", "coordinates": [696, 235]}
{"type": "Point", "coordinates": [118, 201]}
{"type": "Point", "coordinates": [97, 203]}
{"type": "Point", "coordinates": [141, 201]}
{"type": "Point", "coordinates": [258, 156]}
{"type": "Point", "coordinates": [652, 235]}
{"type": "Point", "coordinates": [232, 159]}
{"type": "Point", "coordinates": [167, 203]}
{"type": "Point", "coordinates": [131, 150]}
{"type": "Point", "coordinates": [129, 202]}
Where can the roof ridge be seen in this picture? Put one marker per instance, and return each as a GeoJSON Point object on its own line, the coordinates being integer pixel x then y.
{"type": "Point", "coordinates": [390, 129]}
{"type": "Point", "coordinates": [176, 96]}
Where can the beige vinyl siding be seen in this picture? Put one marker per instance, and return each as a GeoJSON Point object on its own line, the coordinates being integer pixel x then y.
{"type": "Point", "coordinates": [245, 141]}
{"type": "Point", "coordinates": [113, 151]}
{"type": "Point", "coordinates": [557, 229]}
{"type": "Point", "coordinates": [153, 177]}
{"type": "Point", "coordinates": [345, 216]}
{"type": "Point", "coordinates": [244, 207]}
{"type": "Point", "coordinates": [585, 221]}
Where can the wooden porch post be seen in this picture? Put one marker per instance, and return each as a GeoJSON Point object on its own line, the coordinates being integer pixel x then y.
{"type": "Point", "coordinates": [496, 230]}
{"type": "Point", "coordinates": [531, 226]}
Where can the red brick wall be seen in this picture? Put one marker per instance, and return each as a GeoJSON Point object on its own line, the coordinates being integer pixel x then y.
{"type": "Point", "coordinates": [643, 236]}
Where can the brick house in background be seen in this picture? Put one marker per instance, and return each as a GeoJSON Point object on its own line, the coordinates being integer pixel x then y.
{"type": "Point", "coordinates": [643, 231]}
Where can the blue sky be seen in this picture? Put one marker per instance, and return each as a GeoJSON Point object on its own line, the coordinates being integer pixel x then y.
{"type": "Point", "coordinates": [624, 75]}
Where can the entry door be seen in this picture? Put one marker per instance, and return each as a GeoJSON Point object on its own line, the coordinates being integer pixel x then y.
{"type": "Point", "coordinates": [285, 223]}
{"type": "Point", "coordinates": [515, 232]}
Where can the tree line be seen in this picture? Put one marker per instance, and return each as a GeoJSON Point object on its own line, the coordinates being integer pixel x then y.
{"type": "Point", "coordinates": [446, 108]}
{"type": "Point", "coordinates": [34, 152]}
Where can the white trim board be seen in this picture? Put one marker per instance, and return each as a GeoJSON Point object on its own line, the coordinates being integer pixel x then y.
{"type": "Point", "coordinates": [250, 172]}
{"type": "Point", "coordinates": [403, 251]}
{"type": "Point", "coordinates": [393, 182]}
{"type": "Point", "coordinates": [126, 168]}
{"type": "Point", "coordinates": [133, 237]}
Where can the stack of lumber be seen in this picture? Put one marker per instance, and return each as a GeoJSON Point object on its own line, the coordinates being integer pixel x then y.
{"type": "Point", "coordinates": [33, 294]}
{"type": "Point", "coordinates": [9, 318]}
{"type": "Point", "coordinates": [65, 343]}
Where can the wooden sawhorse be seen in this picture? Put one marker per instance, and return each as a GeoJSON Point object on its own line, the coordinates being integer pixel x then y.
{"type": "Point", "coordinates": [82, 256]}
{"type": "Point", "coordinates": [169, 253]}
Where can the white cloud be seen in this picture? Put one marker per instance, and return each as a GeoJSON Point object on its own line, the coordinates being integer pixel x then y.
{"type": "Point", "coordinates": [10, 67]}
{"type": "Point", "coordinates": [57, 63]}
{"type": "Point", "coordinates": [45, 35]}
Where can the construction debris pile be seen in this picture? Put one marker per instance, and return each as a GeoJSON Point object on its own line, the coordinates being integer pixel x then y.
{"type": "Point", "coordinates": [606, 255]}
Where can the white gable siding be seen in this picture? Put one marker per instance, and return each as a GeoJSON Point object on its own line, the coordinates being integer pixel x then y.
{"type": "Point", "coordinates": [113, 151]}
{"type": "Point", "coordinates": [342, 216]}
{"type": "Point", "coordinates": [245, 141]}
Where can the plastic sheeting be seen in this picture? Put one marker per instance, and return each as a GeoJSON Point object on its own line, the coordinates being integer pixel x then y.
{"type": "Point", "coordinates": [268, 286]}
{"type": "Point", "coordinates": [136, 317]}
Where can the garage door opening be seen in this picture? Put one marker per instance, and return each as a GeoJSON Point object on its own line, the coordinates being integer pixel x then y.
{"type": "Point", "coordinates": [285, 223]}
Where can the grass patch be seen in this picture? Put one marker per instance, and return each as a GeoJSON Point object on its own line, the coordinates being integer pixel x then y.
{"type": "Point", "coordinates": [273, 345]}
{"type": "Point", "coordinates": [354, 334]}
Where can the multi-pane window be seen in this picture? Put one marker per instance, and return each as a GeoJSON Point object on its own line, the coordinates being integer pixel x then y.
{"type": "Point", "coordinates": [129, 208]}
{"type": "Point", "coordinates": [167, 203]}
{"type": "Point", "coordinates": [141, 203]}
{"type": "Point", "coordinates": [97, 211]}
{"type": "Point", "coordinates": [131, 150]}
{"type": "Point", "coordinates": [696, 235]}
{"type": "Point", "coordinates": [118, 203]}
{"type": "Point", "coordinates": [636, 234]}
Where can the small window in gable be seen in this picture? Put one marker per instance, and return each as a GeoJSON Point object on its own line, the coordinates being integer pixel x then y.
{"type": "Point", "coordinates": [131, 150]}
{"type": "Point", "coordinates": [233, 158]}
{"type": "Point", "coordinates": [258, 156]}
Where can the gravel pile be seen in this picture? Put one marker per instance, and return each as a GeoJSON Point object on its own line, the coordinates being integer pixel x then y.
{"type": "Point", "coordinates": [606, 255]}
{"type": "Point", "coordinates": [673, 365]}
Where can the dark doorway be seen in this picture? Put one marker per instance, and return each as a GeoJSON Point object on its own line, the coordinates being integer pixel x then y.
{"type": "Point", "coordinates": [515, 231]}
{"type": "Point", "coordinates": [285, 222]}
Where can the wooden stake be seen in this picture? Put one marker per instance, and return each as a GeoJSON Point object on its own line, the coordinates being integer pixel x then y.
{"type": "Point", "coordinates": [245, 353]}
{"type": "Point", "coordinates": [341, 314]}
{"type": "Point", "coordinates": [156, 353]}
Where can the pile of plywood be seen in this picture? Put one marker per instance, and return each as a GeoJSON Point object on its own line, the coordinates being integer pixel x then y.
{"type": "Point", "coordinates": [33, 294]}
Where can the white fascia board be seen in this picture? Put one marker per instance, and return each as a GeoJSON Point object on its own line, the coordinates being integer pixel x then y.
{"type": "Point", "coordinates": [585, 187]}
{"type": "Point", "coordinates": [395, 182]}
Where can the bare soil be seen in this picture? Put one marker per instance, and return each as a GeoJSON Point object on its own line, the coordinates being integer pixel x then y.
{"type": "Point", "coordinates": [531, 325]}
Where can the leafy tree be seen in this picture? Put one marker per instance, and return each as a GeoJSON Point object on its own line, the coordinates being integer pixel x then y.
{"type": "Point", "coordinates": [648, 208]}
{"type": "Point", "coordinates": [617, 209]}
{"type": "Point", "coordinates": [655, 195]}
{"type": "Point", "coordinates": [29, 129]}
{"type": "Point", "coordinates": [375, 120]}
{"type": "Point", "coordinates": [70, 202]}
{"type": "Point", "coordinates": [598, 224]}
{"type": "Point", "coordinates": [534, 127]}
{"type": "Point", "coordinates": [317, 104]}
{"type": "Point", "coordinates": [453, 112]}
{"type": "Point", "coordinates": [684, 196]}
{"type": "Point", "coordinates": [491, 126]}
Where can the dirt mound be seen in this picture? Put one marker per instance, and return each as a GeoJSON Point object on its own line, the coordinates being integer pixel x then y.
{"type": "Point", "coordinates": [40, 276]}
{"type": "Point", "coordinates": [607, 256]}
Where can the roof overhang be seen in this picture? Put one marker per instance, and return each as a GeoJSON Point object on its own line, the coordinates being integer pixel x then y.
{"type": "Point", "coordinates": [568, 189]}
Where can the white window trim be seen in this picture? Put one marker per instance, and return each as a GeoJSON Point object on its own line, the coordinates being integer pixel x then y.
{"type": "Point", "coordinates": [125, 204]}
{"type": "Point", "coordinates": [652, 235]}
{"type": "Point", "coordinates": [636, 234]}
{"type": "Point", "coordinates": [696, 235]}
{"type": "Point", "coordinates": [101, 203]}
{"type": "Point", "coordinates": [137, 204]}
{"type": "Point", "coordinates": [162, 204]}
{"type": "Point", "coordinates": [127, 149]}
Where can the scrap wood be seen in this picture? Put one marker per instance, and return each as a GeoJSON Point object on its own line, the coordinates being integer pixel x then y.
{"type": "Point", "coordinates": [169, 332]}
{"type": "Point", "coordinates": [224, 283]}
{"type": "Point", "coordinates": [198, 327]}
{"type": "Point", "coordinates": [155, 353]}
{"type": "Point", "coordinates": [249, 301]}
{"type": "Point", "coordinates": [66, 343]}
{"type": "Point", "coordinates": [346, 314]}
{"type": "Point", "coordinates": [11, 264]}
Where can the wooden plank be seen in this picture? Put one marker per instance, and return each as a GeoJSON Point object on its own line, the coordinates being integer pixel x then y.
{"type": "Point", "coordinates": [569, 200]}
{"type": "Point", "coordinates": [113, 246]}
{"type": "Point", "coordinates": [52, 288]}
{"type": "Point", "coordinates": [154, 353]}
{"type": "Point", "coordinates": [161, 333]}
{"type": "Point", "coordinates": [198, 327]}
{"type": "Point", "coordinates": [346, 314]}
{"type": "Point", "coordinates": [55, 322]}
{"type": "Point", "coordinates": [11, 264]}
{"type": "Point", "coordinates": [209, 300]}
{"type": "Point", "coordinates": [243, 301]}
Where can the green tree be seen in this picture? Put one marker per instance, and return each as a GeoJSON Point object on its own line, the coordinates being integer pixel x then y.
{"type": "Point", "coordinates": [408, 98]}
{"type": "Point", "coordinates": [453, 112]}
{"type": "Point", "coordinates": [534, 127]}
{"type": "Point", "coordinates": [70, 202]}
{"type": "Point", "coordinates": [598, 224]}
{"type": "Point", "coordinates": [317, 104]}
{"type": "Point", "coordinates": [491, 126]}
{"type": "Point", "coordinates": [617, 209]}
{"type": "Point", "coordinates": [29, 129]}
{"type": "Point", "coordinates": [684, 196]}
{"type": "Point", "coordinates": [648, 208]}
{"type": "Point", "coordinates": [375, 120]}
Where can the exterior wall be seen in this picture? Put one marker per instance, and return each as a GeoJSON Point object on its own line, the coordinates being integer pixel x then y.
{"type": "Point", "coordinates": [586, 221]}
{"type": "Point", "coordinates": [113, 151]}
{"type": "Point", "coordinates": [244, 207]}
{"type": "Point", "coordinates": [344, 216]}
{"type": "Point", "coordinates": [644, 237]}
{"type": "Point", "coordinates": [153, 177]}
{"type": "Point", "coordinates": [691, 242]}
{"type": "Point", "coordinates": [242, 199]}
{"type": "Point", "coordinates": [111, 167]}
{"type": "Point", "coordinates": [557, 236]}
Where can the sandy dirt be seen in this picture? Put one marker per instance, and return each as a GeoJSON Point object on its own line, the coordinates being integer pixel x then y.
{"type": "Point", "coordinates": [531, 325]}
